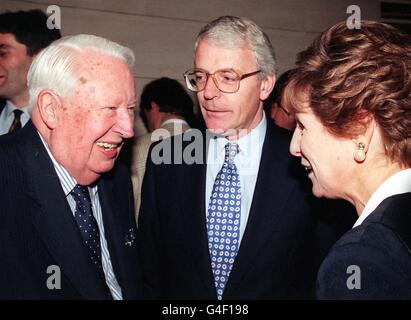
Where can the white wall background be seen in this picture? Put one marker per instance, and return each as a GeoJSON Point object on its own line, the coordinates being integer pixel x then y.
{"type": "Point", "coordinates": [162, 32]}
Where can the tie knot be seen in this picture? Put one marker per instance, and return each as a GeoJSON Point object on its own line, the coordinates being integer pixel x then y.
{"type": "Point", "coordinates": [17, 113]}
{"type": "Point", "coordinates": [80, 194]}
{"type": "Point", "coordinates": [16, 124]}
{"type": "Point", "coordinates": [231, 150]}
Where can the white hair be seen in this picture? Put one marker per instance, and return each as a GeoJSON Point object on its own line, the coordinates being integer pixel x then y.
{"type": "Point", "coordinates": [235, 32]}
{"type": "Point", "coordinates": [55, 67]}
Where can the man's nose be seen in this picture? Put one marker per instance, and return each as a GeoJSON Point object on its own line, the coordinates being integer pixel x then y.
{"type": "Point", "coordinates": [211, 90]}
{"type": "Point", "coordinates": [125, 124]}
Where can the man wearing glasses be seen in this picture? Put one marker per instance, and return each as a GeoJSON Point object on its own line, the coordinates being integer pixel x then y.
{"type": "Point", "coordinates": [274, 108]}
{"type": "Point", "coordinates": [237, 225]}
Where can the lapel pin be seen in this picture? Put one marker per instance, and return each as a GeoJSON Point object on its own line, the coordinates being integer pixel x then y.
{"type": "Point", "coordinates": [130, 237]}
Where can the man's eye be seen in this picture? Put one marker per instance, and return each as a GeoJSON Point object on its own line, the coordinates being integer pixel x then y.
{"type": "Point", "coordinates": [200, 77]}
{"type": "Point", "coordinates": [228, 77]}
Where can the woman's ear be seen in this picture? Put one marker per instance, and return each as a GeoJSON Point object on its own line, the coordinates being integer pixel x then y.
{"type": "Point", "coordinates": [49, 105]}
{"type": "Point", "coordinates": [266, 86]}
{"type": "Point", "coordinates": [363, 141]}
{"type": "Point", "coordinates": [367, 134]}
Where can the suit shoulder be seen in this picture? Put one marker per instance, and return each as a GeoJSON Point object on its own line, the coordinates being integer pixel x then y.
{"type": "Point", "coordinates": [140, 148]}
{"type": "Point", "coordinates": [375, 254]}
{"type": "Point", "coordinates": [376, 234]}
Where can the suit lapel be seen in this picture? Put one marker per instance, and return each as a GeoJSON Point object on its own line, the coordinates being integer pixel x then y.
{"type": "Point", "coordinates": [117, 228]}
{"type": "Point", "coordinates": [264, 217]}
{"type": "Point", "coordinates": [192, 198]}
{"type": "Point", "coordinates": [54, 220]}
{"type": "Point", "coordinates": [270, 196]}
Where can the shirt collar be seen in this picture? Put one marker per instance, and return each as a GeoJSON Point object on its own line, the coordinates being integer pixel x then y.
{"type": "Point", "coordinates": [398, 183]}
{"type": "Point", "coordinates": [10, 107]}
{"type": "Point", "coordinates": [247, 143]}
{"type": "Point", "coordinates": [67, 181]}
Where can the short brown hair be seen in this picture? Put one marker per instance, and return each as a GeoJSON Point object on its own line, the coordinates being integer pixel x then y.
{"type": "Point", "coordinates": [346, 76]}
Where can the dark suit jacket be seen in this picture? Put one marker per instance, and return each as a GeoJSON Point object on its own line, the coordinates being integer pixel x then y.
{"type": "Point", "coordinates": [2, 104]}
{"type": "Point", "coordinates": [275, 256]}
{"type": "Point", "coordinates": [38, 230]}
{"type": "Point", "coordinates": [381, 248]}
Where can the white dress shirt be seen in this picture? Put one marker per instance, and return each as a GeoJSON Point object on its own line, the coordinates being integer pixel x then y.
{"type": "Point", "coordinates": [398, 183]}
{"type": "Point", "coordinates": [68, 183]}
{"type": "Point", "coordinates": [7, 117]}
{"type": "Point", "coordinates": [247, 162]}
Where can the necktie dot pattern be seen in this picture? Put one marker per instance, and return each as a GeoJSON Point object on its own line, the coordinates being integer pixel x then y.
{"type": "Point", "coordinates": [16, 124]}
{"type": "Point", "coordinates": [87, 223]}
{"type": "Point", "coordinates": [223, 219]}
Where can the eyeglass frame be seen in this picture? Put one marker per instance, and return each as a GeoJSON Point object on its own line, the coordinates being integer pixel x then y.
{"type": "Point", "coordinates": [208, 74]}
{"type": "Point", "coordinates": [288, 113]}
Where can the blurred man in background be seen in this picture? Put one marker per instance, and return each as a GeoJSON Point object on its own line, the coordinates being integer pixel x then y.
{"type": "Point", "coordinates": [23, 34]}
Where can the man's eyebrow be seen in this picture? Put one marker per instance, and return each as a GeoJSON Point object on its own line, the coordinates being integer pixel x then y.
{"type": "Point", "coordinates": [132, 102]}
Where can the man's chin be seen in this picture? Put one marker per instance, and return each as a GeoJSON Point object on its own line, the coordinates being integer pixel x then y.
{"type": "Point", "coordinates": [88, 179]}
{"type": "Point", "coordinates": [93, 174]}
{"type": "Point", "coordinates": [106, 167]}
{"type": "Point", "coordinates": [217, 131]}
{"type": "Point", "coordinates": [231, 134]}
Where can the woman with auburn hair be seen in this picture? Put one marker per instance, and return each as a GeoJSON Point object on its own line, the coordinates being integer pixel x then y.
{"type": "Point", "coordinates": [351, 96]}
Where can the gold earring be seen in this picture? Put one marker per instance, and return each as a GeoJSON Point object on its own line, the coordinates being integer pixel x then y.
{"type": "Point", "coordinates": [359, 154]}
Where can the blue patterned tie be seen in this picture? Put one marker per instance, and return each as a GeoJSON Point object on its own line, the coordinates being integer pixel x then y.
{"type": "Point", "coordinates": [223, 219]}
{"type": "Point", "coordinates": [87, 223]}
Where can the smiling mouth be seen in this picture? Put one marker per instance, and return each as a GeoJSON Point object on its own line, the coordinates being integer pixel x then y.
{"type": "Point", "coordinates": [108, 146]}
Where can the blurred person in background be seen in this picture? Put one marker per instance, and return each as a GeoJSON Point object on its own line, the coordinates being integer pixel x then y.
{"type": "Point", "coordinates": [165, 104]}
{"type": "Point", "coordinates": [274, 108]}
{"type": "Point", "coordinates": [23, 34]}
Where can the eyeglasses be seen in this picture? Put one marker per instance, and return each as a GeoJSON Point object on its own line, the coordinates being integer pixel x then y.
{"type": "Point", "coordinates": [226, 80]}
{"type": "Point", "coordinates": [288, 113]}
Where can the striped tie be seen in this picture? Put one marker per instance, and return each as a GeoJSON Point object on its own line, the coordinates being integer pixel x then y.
{"type": "Point", "coordinates": [16, 125]}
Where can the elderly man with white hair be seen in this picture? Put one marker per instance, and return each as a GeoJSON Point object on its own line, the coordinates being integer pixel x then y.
{"type": "Point", "coordinates": [66, 209]}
